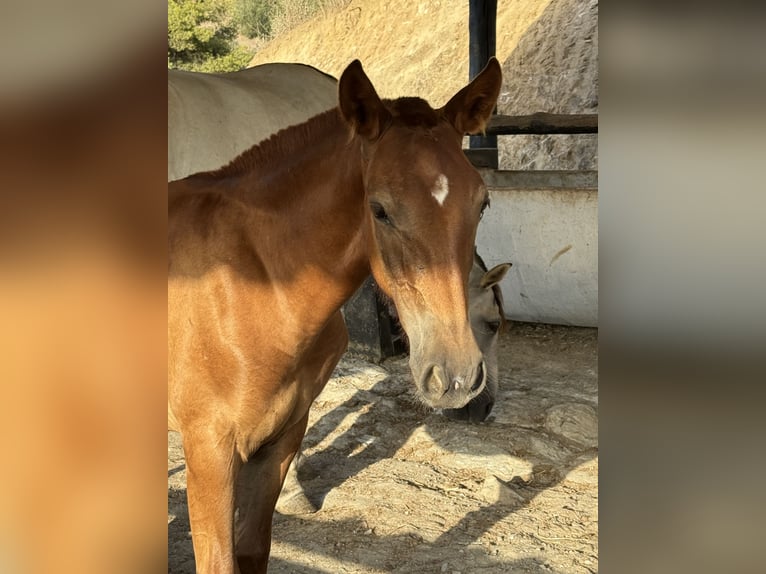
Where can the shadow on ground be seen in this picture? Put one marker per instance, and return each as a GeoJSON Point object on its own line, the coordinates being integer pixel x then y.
{"type": "Point", "coordinates": [403, 489]}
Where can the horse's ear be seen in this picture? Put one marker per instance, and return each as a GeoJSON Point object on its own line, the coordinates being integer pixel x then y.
{"type": "Point", "coordinates": [469, 110]}
{"type": "Point", "coordinates": [494, 275]}
{"type": "Point", "coordinates": [359, 104]}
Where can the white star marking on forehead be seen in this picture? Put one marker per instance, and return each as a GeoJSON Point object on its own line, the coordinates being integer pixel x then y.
{"type": "Point", "coordinates": [440, 189]}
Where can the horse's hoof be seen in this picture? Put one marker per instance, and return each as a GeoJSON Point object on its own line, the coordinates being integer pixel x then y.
{"type": "Point", "coordinates": [296, 504]}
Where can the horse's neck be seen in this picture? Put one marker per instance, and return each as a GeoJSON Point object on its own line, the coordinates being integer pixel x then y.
{"type": "Point", "coordinates": [308, 219]}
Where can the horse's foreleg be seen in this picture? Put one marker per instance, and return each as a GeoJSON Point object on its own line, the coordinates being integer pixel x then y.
{"type": "Point", "coordinates": [211, 475]}
{"type": "Point", "coordinates": [317, 368]}
{"type": "Point", "coordinates": [260, 483]}
{"type": "Point", "coordinates": [262, 477]}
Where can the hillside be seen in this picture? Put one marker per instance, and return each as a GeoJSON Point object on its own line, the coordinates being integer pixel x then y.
{"type": "Point", "coordinates": [548, 48]}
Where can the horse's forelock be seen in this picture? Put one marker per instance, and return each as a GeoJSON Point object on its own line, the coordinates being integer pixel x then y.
{"type": "Point", "coordinates": [413, 112]}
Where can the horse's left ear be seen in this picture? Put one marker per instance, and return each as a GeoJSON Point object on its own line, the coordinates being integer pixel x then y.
{"type": "Point", "coordinates": [359, 103]}
{"type": "Point", "coordinates": [469, 110]}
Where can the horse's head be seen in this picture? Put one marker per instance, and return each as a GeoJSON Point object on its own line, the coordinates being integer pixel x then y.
{"type": "Point", "coordinates": [487, 316]}
{"type": "Point", "coordinates": [425, 200]}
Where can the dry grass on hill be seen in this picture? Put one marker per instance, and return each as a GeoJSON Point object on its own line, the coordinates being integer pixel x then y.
{"type": "Point", "coordinates": [548, 49]}
{"type": "Point", "coordinates": [407, 48]}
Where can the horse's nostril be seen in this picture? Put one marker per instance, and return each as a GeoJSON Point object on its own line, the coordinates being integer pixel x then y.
{"type": "Point", "coordinates": [434, 381]}
{"type": "Point", "coordinates": [479, 378]}
{"type": "Point", "coordinates": [488, 408]}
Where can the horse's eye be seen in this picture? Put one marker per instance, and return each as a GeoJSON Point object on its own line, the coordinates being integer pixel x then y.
{"type": "Point", "coordinates": [379, 213]}
{"type": "Point", "coordinates": [493, 326]}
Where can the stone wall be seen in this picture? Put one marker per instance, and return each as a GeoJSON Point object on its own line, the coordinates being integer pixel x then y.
{"type": "Point", "coordinates": [554, 68]}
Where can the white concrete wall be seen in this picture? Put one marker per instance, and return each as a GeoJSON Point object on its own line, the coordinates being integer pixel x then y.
{"type": "Point", "coordinates": [551, 237]}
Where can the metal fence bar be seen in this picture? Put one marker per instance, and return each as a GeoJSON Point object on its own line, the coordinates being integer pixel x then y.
{"type": "Point", "coordinates": [482, 18]}
{"type": "Point", "coordinates": [543, 123]}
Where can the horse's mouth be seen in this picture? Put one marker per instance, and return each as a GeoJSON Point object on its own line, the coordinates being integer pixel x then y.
{"type": "Point", "coordinates": [478, 408]}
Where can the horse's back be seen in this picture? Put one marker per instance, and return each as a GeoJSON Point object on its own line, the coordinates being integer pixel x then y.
{"type": "Point", "coordinates": [212, 118]}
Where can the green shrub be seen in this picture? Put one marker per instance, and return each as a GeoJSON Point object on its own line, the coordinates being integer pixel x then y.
{"type": "Point", "coordinates": [254, 17]}
{"type": "Point", "coordinates": [202, 37]}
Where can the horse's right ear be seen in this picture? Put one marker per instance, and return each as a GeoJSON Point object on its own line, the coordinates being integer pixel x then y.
{"type": "Point", "coordinates": [494, 275]}
{"type": "Point", "coordinates": [470, 109]}
{"type": "Point", "coordinates": [359, 104]}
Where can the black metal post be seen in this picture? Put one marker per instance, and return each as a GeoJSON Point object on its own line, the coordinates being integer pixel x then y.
{"type": "Point", "coordinates": [482, 24]}
{"type": "Point", "coordinates": [372, 332]}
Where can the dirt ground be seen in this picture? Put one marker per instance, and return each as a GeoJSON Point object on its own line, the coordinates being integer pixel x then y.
{"type": "Point", "coordinates": [405, 490]}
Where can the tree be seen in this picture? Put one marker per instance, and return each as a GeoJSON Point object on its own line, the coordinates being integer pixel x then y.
{"type": "Point", "coordinates": [201, 37]}
{"type": "Point", "coordinates": [254, 17]}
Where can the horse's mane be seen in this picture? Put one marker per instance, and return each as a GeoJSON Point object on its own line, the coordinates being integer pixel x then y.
{"type": "Point", "coordinates": [412, 112]}
{"type": "Point", "coordinates": [276, 146]}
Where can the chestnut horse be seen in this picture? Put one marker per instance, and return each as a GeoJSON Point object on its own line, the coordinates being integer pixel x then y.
{"type": "Point", "coordinates": [212, 118]}
{"type": "Point", "coordinates": [262, 254]}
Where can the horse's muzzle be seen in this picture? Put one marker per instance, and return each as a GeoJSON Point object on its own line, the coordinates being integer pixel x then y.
{"type": "Point", "coordinates": [445, 390]}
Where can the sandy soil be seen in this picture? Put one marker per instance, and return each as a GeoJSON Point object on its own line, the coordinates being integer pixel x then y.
{"type": "Point", "coordinates": [404, 490]}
